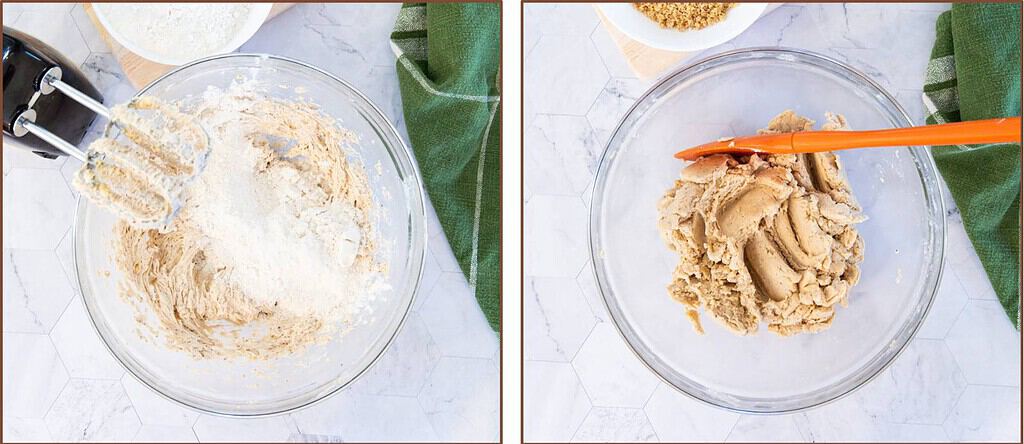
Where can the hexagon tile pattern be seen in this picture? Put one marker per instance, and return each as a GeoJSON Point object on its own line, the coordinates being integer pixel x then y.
{"type": "Point", "coordinates": [439, 380]}
{"type": "Point", "coordinates": [959, 380]}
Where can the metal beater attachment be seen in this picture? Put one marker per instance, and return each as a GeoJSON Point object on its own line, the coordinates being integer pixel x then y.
{"type": "Point", "coordinates": [149, 152]}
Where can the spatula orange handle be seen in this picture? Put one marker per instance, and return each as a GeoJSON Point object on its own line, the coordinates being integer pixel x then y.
{"type": "Point", "coordinates": [1005, 130]}
{"type": "Point", "coordinates": [1002, 130]}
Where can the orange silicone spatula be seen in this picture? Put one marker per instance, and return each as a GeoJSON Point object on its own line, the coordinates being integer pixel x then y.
{"type": "Point", "coordinates": [1003, 130]}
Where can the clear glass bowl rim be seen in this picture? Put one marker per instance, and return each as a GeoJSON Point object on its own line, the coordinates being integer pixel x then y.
{"type": "Point", "coordinates": [927, 172]}
{"type": "Point", "coordinates": [397, 150]}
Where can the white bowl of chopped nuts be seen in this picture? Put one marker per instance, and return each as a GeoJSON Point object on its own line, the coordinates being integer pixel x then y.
{"type": "Point", "coordinates": [682, 26]}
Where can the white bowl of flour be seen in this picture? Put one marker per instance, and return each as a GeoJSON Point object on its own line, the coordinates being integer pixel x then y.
{"type": "Point", "coordinates": [177, 33]}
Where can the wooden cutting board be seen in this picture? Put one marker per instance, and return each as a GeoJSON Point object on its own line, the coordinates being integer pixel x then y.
{"type": "Point", "coordinates": [139, 70]}
{"type": "Point", "coordinates": [645, 61]}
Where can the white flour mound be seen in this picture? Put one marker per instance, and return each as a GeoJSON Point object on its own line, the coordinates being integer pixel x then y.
{"type": "Point", "coordinates": [288, 243]}
{"type": "Point", "coordinates": [178, 30]}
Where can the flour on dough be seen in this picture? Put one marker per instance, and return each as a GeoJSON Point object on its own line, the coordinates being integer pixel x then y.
{"type": "Point", "coordinates": [274, 248]}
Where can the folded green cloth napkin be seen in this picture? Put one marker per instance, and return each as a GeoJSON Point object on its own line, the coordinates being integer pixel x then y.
{"type": "Point", "coordinates": [448, 59]}
{"type": "Point", "coordinates": [975, 73]}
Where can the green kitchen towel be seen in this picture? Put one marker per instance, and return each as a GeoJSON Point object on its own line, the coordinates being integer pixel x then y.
{"type": "Point", "coordinates": [975, 73]}
{"type": "Point", "coordinates": [448, 72]}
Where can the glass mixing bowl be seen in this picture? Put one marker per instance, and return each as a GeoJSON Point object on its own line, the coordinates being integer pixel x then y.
{"type": "Point", "coordinates": [242, 387]}
{"type": "Point", "coordinates": [735, 94]}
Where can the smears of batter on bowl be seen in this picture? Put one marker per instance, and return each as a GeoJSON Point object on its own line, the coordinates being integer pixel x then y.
{"type": "Point", "coordinates": [764, 238]}
{"type": "Point", "coordinates": [274, 248]}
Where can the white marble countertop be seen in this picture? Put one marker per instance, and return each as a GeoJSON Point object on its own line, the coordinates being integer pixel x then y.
{"type": "Point", "coordinates": [959, 378]}
{"type": "Point", "coordinates": [439, 381]}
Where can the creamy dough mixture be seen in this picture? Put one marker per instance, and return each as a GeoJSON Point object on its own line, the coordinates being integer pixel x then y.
{"type": "Point", "coordinates": [274, 247]}
{"type": "Point", "coordinates": [764, 238]}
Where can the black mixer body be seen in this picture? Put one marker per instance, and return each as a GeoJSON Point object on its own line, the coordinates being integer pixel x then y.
{"type": "Point", "coordinates": [25, 61]}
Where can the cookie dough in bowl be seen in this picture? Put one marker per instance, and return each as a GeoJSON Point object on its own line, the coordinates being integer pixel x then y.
{"type": "Point", "coordinates": [891, 214]}
{"type": "Point", "coordinates": [275, 246]}
{"type": "Point", "coordinates": [764, 238]}
{"type": "Point", "coordinates": [294, 259]}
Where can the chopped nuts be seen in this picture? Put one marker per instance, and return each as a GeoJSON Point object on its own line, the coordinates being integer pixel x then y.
{"type": "Point", "coordinates": [685, 16]}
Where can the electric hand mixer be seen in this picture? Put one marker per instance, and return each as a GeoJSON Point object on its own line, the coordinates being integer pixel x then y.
{"type": "Point", "coordinates": [149, 152]}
